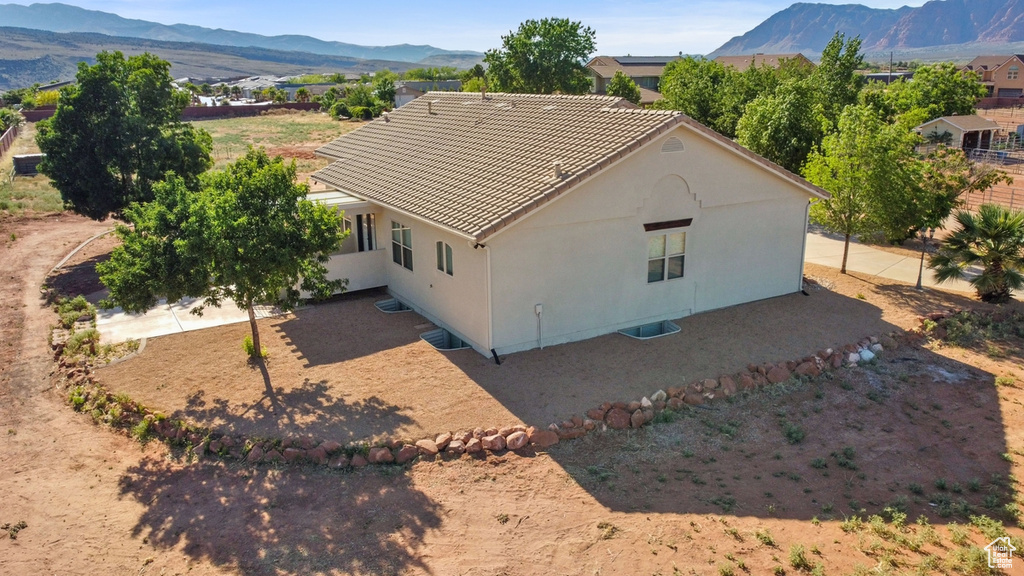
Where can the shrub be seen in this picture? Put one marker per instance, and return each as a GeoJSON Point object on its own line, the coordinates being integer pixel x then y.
{"type": "Point", "coordinates": [250, 348]}
{"type": "Point", "coordinates": [797, 558]}
{"type": "Point", "coordinates": [73, 310]}
{"type": "Point", "coordinates": [339, 110]}
{"type": "Point", "coordinates": [765, 537]}
{"type": "Point", "coordinates": [360, 112]}
{"type": "Point", "coordinates": [84, 341]}
{"type": "Point", "coordinates": [793, 432]}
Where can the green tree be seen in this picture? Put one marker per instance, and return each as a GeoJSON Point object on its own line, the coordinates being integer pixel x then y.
{"type": "Point", "coordinates": [624, 87]}
{"type": "Point", "coordinates": [870, 170]}
{"type": "Point", "coordinates": [474, 85]}
{"type": "Point", "coordinates": [302, 94]}
{"type": "Point", "coordinates": [694, 87]}
{"type": "Point", "coordinates": [116, 132]}
{"type": "Point", "coordinates": [384, 90]}
{"type": "Point", "coordinates": [542, 57]}
{"type": "Point", "coordinates": [477, 71]}
{"type": "Point", "coordinates": [249, 235]}
{"type": "Point", "coordinates": [836, 81]}
{"type": "Point", "coordinates": [10, 118]}
{"type": "Point", "coordinates": [993, 239]}
{"type": "Point", "coordinates": [783, 126]}
{"type": "Point", "coordinates": [359, 95]}
{"type": "Point", "coordinates": [236, 92]}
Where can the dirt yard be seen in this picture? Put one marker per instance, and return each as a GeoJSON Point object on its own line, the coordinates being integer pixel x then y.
{"type": "Point", "coordinates": [719, 491]}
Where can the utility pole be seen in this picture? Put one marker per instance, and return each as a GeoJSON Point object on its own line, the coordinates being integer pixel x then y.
{"type": "Point", "coordinates": [890, 69]}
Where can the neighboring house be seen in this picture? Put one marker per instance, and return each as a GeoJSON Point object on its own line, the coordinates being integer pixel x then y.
{"type": "Point", "coordinates": [1001, 75]}
{"type": "Point", "coordinates": [741, 63]}
{"type": "Point", "coordinates": [516, 221]}
{"type": "Point", "coordinates": [404, 94]}
{"type": "Point", "coordinates": [646, 71]}
{"type": "Point", "coordinates": [964, 132]}
{"type": "Point", "coordinates": [432, 85]}
{"type": "Point", "coordinates": [888, 77]}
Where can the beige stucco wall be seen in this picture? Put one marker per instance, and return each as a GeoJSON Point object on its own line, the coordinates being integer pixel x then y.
{"type": "Point", "coordinates": [458, 302]}
{"type": "Point", "coordinates": [939, 126]}
{"type": "Point", "coordinates": [584, 256]}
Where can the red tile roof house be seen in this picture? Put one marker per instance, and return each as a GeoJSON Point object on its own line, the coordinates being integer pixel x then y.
{"type": "Point", "coordinates": [517, 221]}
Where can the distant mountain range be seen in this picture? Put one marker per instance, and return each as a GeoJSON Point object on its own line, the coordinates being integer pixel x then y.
{"type": "Point", "coordinates": [58, 17]}
{"type": "Point", "coordinates": [30, 56]}
{"type": "Point", "coordinates": [938, 30]}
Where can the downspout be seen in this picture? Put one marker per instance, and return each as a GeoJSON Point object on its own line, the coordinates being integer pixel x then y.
{"type": "Point", "coordinates": [490, 308]}
{"type": "Point", "coordinates": [803, 248]}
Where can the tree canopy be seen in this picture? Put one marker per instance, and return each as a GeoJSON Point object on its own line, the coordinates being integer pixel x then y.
{"type": "Point", "coordinates": [542, 57]}
{"type": "Point", "coordinates": [993, 239]}
{"type": "Point", "coordinates": [116, 132]}
{"type": "Point", "coordinates": [248, 235]}
{"type": "Point", "coordinates": [783, 126]}
{"type": "Point", "coordinates": [624, 87]}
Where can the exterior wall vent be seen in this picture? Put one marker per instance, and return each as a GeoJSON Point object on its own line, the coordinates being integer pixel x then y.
{"type": "Point", "coordinates": [672, 145]}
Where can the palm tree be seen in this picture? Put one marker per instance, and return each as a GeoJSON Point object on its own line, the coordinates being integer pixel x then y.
{"type": "Point", "coordinates": [302, 94]}
{"type": "Point", "coordinates": [994, 239]}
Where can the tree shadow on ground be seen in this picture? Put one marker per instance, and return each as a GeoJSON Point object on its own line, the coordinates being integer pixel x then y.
{"type": "Point", "coordinates": [352, 321]}
{"type": "Point", "coordinates": [309, 409]}
{"type": "Point", "coordinates": [271, 521]}
{"type": "Point", "coordinates": [916, 432]}
{"type": "Point", "coordinates": [78, 279]}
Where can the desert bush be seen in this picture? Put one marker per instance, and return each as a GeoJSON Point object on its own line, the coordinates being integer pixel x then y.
{"type": "Point", "coordinates": [72, 310]}
{"type": "Point", "coordinates": [250, 348]}
{"type": "Point", "coordinates": [83, 341]}
{"type": "Point", "coordinates": [340, 110]}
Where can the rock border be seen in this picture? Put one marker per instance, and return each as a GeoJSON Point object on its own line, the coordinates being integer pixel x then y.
{"type": "Point", "coordinates": [121, 412]}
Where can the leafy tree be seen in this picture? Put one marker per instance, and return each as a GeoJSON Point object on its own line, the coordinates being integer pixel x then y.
{"type": "Point", "coordinates": [542, 57]}
{"type": "Point", "coordinates": [205, 89]}
{"type": "Point", "coordinates": [477, 71]}
{"type": "Point", "coordinates": [10, 118]}
{"type": "Point", "coordinates": [870, 170]}
{"type": "Point", "coordinates": [432, 74]}
{"type": "Point", "coordinates": [836, 81]}
{"type": "Point", "coordinates": [236, 91]}
{"type": "Point", "coordinates": [116, 132]}
{"type": "Point", "coordinates": [783, 126]}
{"type": "Point", "coordinates": [328, 98]}
{"type": "Point", "coordinates": [993, 239]}
{"type": "Point", "coordinates": [302, 94]}
{"type": "Point", "coordinates": [624, 87]}
{"type": "Point", "coordinates": [694, 87]}
{"type": "Point", "coordinates": [742, 88]}
{"type": "Point", "coordinates": [384, 90]}
{"type": "Point", "coordinates": [474, 85]}
{"type": "Point", "coordinates": [249, 235]}
{"type": "Point", "coordinates": [279, 95]}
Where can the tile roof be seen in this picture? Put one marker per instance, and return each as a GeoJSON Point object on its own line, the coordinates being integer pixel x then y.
{"type": "Point", "coordinates": [741, 63]}
{"type": "Point", "coordinates": [632, 66]}
{"type": "Point", "coordinates": [987, 62]}
{"type": "Point", "coordinates": [475, 165]}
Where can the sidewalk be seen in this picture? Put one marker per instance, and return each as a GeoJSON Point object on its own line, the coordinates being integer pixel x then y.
{"type": "Point", "coordinates": [827, 250]}
{"type": "Point", "coordinates": [116, 325]}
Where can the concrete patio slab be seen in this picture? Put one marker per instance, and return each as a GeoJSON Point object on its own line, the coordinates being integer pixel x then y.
{"type": "Point", "coordinates": [116, 325]}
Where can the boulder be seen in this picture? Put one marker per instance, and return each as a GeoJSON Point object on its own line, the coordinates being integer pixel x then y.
{"type": "Point", "coordinates": [693, 398]}
{"type": "Point", "coordinates": [597, 413]}
{"type": "Point", "coordinates": [577, 421]}
{"type": "Point", "coordinates": [646, 404]}
{"type": "Point", "coordinates": [215, 446]}
{"type": "Point", "coordinates": [543, 438]}
{"type": "Point", "coordinates": [493, 442]}
{"type": "Point", "coordinates": [876, 347]}
{"type": "Point", "coordinates": [852, 358]}
{"type": "Point", "coordinates": [617, 419]}
{"type": "Point", "coordinates": [339, 461]}
{"type": "Point", "coordinates": [406, 453]}
{"type": "Point", "coordinates": [456, 447]}
{"type": "Point", "coordinates": [747, 382]}
{"type": "Point", "coordinates": [442, 441]}
{"type": "Point", "coordinates": [660, 405]}
{"type": "Point", "coordinates": [358, 461]}
{"type": "Point", "coordinates": [589, 424]}
{"type": "Point", "coordinates": [727, 385]}
{"type": "Point", "coordinates": [255, 455]}
{"type": "Point", "coordinates": [777, 374]}
{"type": "Point", "coordinates": [710, 384]}
{"type": "Point", "coordinates": [516, 440]}
{"type": "Point", "coordinates": [317, 455]}
{"type": "Point", "coordinates": [273, 456]}
{"type": "Point", "coordinates": [648, 415]}
{"type": "Point", "coordinates": [427, 447]}
{"type": "Point", "coordinates": [506, 431]}
{"type": "Point", "coordinates": [835, 360]}
{"type": "Point", "coordinates": [570, 433]}
{"type": "Point", "coordinates": [675, 403]}
{"type": "Point", "coordinates": [659, 396]}
{"type": "Point", "coordinates": [474, 445]}
{"type": "Point", "coordinates": [866, 355]}
{"type": "Point", "coordinates": [490, 431]}
{"type": "Point", "coordinates": [676, 392]}
{"type": "Point", "coordinates": [331, 446]}
{"type": "Point", "coordinates": [380, 455]}
{"type": "Point", "coordinates": [294, 455]}
{"type": "Point", "coordinates": [462, 436]}
{"type": "Point", "coordinates": [637, 419]}
{"type": "Point", "coordinates": [808, 369]}
{"type": "Point", "coordinates": [632, 407]}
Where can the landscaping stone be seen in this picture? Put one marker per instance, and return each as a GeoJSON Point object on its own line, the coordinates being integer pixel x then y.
{"type": "Point", "coordinates": [255, 455]}
{"type": "Point", "coordinates": [543, 438]}
{"type": "Point", "coordinates": [380, 455]}
{"type": "Point", "coordinates": [866, 355]}
{"type": "Point", "coordinates": [442, 441]}
{"type": "Point", "coordinates": [427, 447]}
{"type": "Point", "coordinates": [888, 342]}
{"type": "Point", "coordinates": [474, 445]}
{"type": "Point", "coordinates": [406, 453]}
{"type": "Point", "coordinates": [478, 433]}
{"type": "Point", "coordinates": [317, 455]}
{"type": "Point", "coordinates": [876, 348]}
{"type": "Point", "coordinates": [331, 446]}
{"type": "Point", "coordinates": [709, 384]}
{"type": "Point", "coordinates": [215, 446]}
{"type": "Point", "coordinates": [808, 369]}
{"type": "Point", "coordinates": [777, 374]}
{"type": "Point", "coordinates": [637, 419]}
{"type": "Point", "coordinates": [462, 436]}
{"type": "Point", "coordinates": [632, 407]}
{"type": "Point", "coordinates": [358, 461]}
{"type": "Point", "coordinates": [505, 431]}
{"type": "Point", "coordinates": [648, 415]}
{"type": "Point", "coordinates": [490, 432]}
{"type": "Point", "coordinates": [659, 396]}
{"type": "Point", "coordinates": [852, 358]}
{"type": "Point", "coordinates": [836, 360]}
{"type": "Point", "coordinates": [617, 419]}
{"type": "Point", "coordinates": [727, 385]}
{"type": "Point", "coordinates": [747, 382]}
{"type": "Point", "coordinates": [493, 442]}
{"type": "Point", "coordinates": [273, 456]}
{"type": "Point", "coordinates": [675, 403]}
{"type": "Point", "coordinates": [597, 413]}
{"type": "Point", "coordinates": [293, 455]}
{"type": "Point", "coordinates": [339, 461]}
{"type": "Point", "coordinates": [570, 433]}
{"type": "Point", "coordinates": [693, 398]}
{"type": "Point", "coordinates": [519, 428]}
{"type": "Point", "coordinates": [456, 447]}
{"type": "Point", "coordinates": [516, 440]}
{"type": "Point", "coordinates": [588, 425]}
{"type": "Point", "coordinates": [646, 404]}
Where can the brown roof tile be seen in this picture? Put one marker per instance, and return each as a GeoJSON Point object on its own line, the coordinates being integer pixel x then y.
{"type": "Point", "coordinates": [741, 63]}
{"type": "Point", "coordinates": [476, 165]}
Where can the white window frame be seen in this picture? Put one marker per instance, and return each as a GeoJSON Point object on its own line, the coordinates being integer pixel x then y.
{"type": "Point", "coordinates": [1012, 73]}
{"type": "Point", "coordinates": [666, 258]}
{"type": "Point", "coordinates": [401, 253]}
{"type": "Point", "coordinates": [444, 258]}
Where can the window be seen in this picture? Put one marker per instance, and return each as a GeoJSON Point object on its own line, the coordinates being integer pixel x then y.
{"type": "Point", "coordinates": [401, 245]}
{"type": "Point", "coordinates": [665, 255]}
{"type": "Point", "coordinates": [444, 258]}
{"type": "Point", "coordinates": [366, 232]}
{"type": "Point", "coordinates": [1012, 73]}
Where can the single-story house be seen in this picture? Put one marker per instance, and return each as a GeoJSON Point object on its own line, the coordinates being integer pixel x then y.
{"type": "Point", "coordinates": [517, 221]}
{"type": "Point", "coordinates": [964, 132]}
{"type": "Point", "coordinates": [405, 94]}
{"type": "Point", "coordinates": [742, 62]}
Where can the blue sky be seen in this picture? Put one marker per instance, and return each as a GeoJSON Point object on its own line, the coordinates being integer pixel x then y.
{"type": "Point", "coordinates": [638, 27]}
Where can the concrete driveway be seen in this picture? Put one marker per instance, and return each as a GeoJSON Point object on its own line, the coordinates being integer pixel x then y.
{"type": "Point", "coordinates": [827, 250]}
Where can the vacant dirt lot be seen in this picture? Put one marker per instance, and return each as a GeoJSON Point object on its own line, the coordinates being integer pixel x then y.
{"type": "Point", "coordinates": [719, 491]}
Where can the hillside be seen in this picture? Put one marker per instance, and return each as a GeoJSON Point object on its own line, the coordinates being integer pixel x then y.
{"type": "Point", "coordinates": [29, 56]}
{"type": "Point", "coordinates": [946, 27]}
{"type": "Point", "coordinates": [58, 17]}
